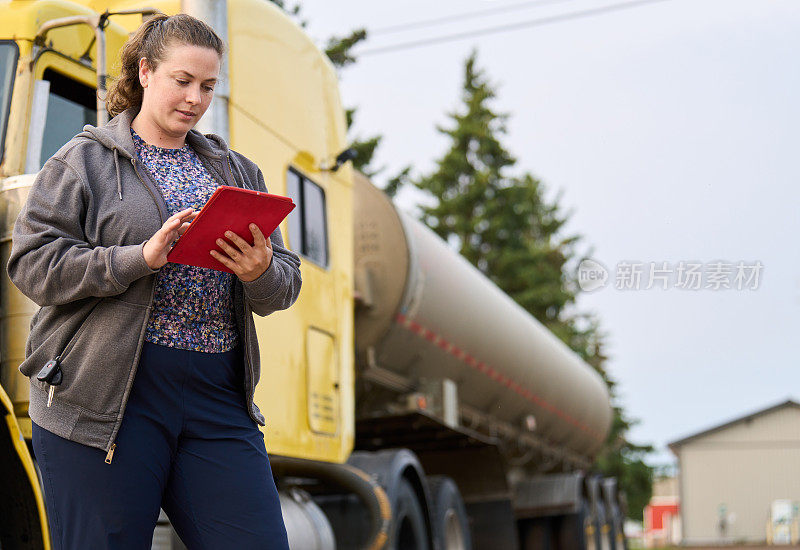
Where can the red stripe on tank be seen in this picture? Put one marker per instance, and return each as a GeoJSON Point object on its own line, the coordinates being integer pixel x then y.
{"type": "Point", "coordinates": [492, 373]}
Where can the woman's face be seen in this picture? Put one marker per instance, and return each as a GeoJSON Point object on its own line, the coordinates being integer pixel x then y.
{"type": "Point", "coordinates": [179, 91]}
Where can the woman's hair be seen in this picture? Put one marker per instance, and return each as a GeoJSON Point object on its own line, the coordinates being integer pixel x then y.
{"type": "Point", "coordinates": [151, 41]}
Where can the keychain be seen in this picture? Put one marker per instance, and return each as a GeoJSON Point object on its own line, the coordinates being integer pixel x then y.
{"type": "Point", "coordinates": [51, 374]}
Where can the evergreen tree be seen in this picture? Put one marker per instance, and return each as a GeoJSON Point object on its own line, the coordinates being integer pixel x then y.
{"type": "Point", "coordinates": [365, 148]}
{"type": "Point", "coordinates": [504, 226]}
{"type": "Point", "coordinates": [501, 223]}
{"type": "Point", "coordinates": [339, 49]}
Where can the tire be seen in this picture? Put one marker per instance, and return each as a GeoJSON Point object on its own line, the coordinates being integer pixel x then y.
{"type": "Point", "coordinates": [408, 523]}
{"type": "Point", "coordinates": [448, 515]}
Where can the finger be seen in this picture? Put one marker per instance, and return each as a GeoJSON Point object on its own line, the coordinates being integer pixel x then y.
{"type": "Point", "coordinates": [258, 236]}
{"type": "Point", "coordinates": [181, 224]}
{"type": "Point", "coordinates": [228, 249]}
{"type": "Point", "coordinates": [224, 260]}
{"type": "Point", "coordinates": [171, 224]}
{"type": "Point", "coordinates": [171, 228]}
{"type": "Point", "coordinates": [167, 232]}
{"type": "Point", "coordinates": [187, 219]}
{"type": "Point", "coordinates": [182, 229]}
{"type": "Point", "coordinates": [182, 214]}
{"type": "Point", "coordinates": [243, 245]}
{"type": "Point", "coordinates": [177, 220]}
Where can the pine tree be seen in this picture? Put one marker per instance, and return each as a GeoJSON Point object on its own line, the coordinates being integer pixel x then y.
{"type": "Point", "coordinates": [501, 223]}
{"type": "Point", "coordinates": [340, 51]}
{"type": "Point", "coordinates": [504, 226]}
{"type": "Point", "coordinates": [365, 148]}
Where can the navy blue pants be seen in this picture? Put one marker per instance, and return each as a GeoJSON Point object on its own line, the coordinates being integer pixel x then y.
{"type": "Point", "coordinates": [186, 445]}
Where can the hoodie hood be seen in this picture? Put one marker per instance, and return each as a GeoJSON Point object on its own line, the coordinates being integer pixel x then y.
{"type": "Point", "coordinates": [116, 136]}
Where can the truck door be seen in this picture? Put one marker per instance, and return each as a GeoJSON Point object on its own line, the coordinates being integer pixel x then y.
{"type": "Point", "coordinates": [308, 236]}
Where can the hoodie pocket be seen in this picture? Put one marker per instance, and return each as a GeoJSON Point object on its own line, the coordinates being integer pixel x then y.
{"type": "Point", "coordinates": [52, 329]}
{"type": "Point", "coordinates": [97, 362]}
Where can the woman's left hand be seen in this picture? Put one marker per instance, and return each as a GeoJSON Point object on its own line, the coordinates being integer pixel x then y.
{"type": "Point", "coordinates": [247, 262]}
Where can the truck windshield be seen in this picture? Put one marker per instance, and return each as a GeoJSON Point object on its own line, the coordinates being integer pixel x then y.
{"type": "Point", "coordinates": [8, 65]}
{"type": "Point", "coordinates": [70, 105]}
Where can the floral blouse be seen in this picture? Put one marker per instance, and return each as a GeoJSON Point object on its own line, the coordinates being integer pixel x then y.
{"type": "Point", "coordinates": [193, 306]}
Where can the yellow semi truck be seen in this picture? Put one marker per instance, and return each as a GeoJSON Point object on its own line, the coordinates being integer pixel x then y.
{"type": "Point", "coordinates": [409, 402]}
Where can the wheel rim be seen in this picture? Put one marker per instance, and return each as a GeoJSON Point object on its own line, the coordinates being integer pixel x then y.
{"type": "Point", "coordinates": [453, 536]}
{"type": "Point", "coordinates": [589, 530]}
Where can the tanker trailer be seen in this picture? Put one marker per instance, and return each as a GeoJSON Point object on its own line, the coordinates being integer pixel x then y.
{"type": "Point", "coordinates": [453, 369]}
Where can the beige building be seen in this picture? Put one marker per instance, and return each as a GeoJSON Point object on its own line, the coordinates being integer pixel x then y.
{"type": "Point", "coordinates": [730, 475]}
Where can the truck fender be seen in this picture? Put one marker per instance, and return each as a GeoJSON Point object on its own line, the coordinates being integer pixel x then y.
{"type": "Point", "coordinates": [389, 467]}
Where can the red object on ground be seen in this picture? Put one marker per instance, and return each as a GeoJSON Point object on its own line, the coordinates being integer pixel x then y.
{"type": "Point", "coordinates": [659, 514]}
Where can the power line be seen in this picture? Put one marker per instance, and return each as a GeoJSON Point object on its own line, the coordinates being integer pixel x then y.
{"type": "Point", "coordinates": [510, 27]}
{"type": "Point", "coordinates": [462, 16]}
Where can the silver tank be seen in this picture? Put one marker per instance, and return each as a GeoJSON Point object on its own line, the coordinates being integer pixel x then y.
{"type": "Point", "coordinates": [428, 314]}
{"type": "Point", "coordinates": [307, 528]}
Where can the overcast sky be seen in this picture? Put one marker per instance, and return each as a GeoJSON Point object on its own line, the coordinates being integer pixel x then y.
{"type": "Point", "coordinates": [672, 131]}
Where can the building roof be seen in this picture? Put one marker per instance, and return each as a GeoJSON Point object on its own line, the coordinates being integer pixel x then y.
{"type": "Point", "coordinates": [785, 404]}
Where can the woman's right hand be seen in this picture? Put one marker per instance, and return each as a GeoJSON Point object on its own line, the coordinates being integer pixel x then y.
{"type": "Point", "coordinates": [158, 246]}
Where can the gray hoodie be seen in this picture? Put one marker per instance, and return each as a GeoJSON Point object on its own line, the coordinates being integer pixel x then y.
{"type": "Point", "coordinates": [77, 253]}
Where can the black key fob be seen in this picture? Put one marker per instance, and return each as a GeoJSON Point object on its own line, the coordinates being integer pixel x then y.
{"type": "Point", "coordinates": [51, 372]}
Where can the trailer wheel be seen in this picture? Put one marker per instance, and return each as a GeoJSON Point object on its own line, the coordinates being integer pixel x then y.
{"type": "Point", "coordinates": [408, 530]}
{"type": "Point", "coordinates": [448, 515]}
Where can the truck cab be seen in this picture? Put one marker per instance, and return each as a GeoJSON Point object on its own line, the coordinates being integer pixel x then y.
{"type": "Point", "coordinates": [283, 111]}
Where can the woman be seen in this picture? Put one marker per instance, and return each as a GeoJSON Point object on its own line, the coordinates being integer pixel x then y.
{"type": "Point", "coordinates": [157, 362]}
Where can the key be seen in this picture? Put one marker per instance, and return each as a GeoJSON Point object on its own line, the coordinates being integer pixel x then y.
{"type": "Point", "coordinates": [51, 374]}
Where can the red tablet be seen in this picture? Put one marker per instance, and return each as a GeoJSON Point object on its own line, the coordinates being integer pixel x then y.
{"type": "Point", "coordinates": [228, 209]}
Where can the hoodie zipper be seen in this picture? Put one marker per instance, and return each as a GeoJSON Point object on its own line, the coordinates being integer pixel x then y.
{"type": "Point", "coordinates": [110, 453]}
